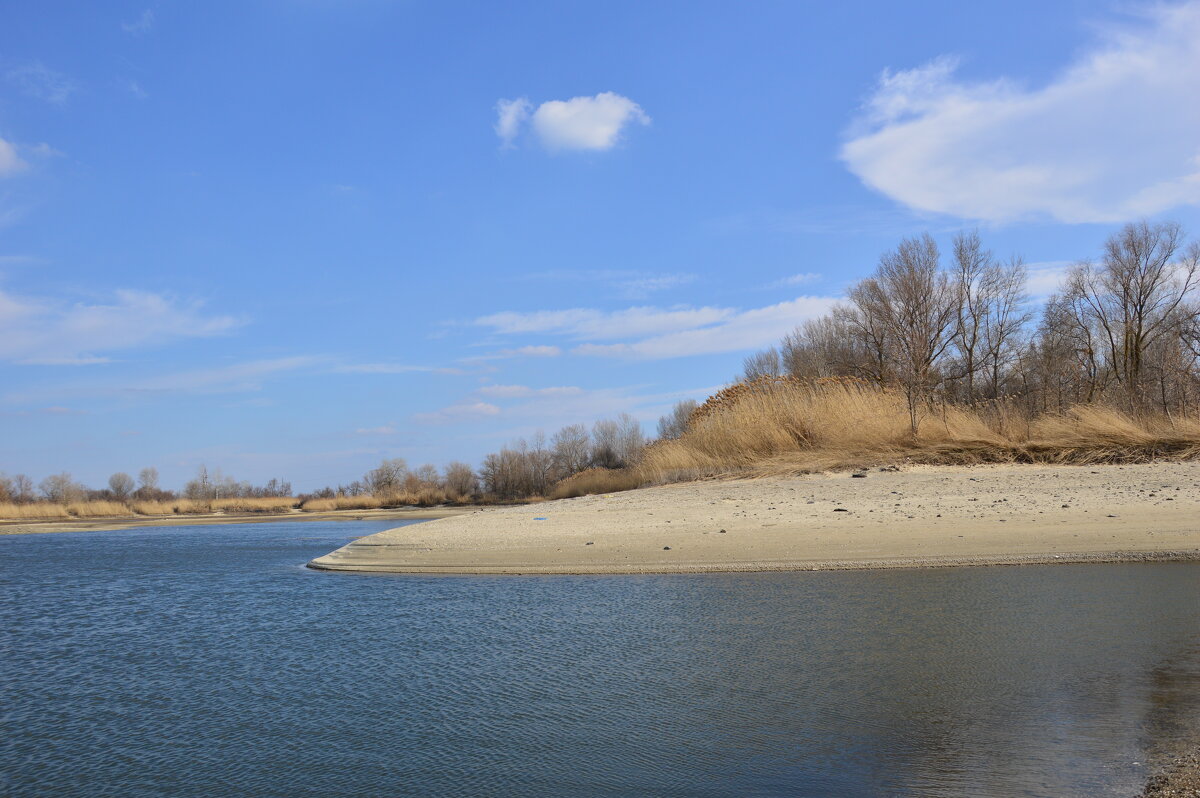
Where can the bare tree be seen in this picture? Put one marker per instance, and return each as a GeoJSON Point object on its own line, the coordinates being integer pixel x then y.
{"type": "Point", "coordinates": [1135, 295]}
{"type": "Point", "coordinates": [829, 346]}
{"type": "Point", "coordinates": [121, 485]}
{"type": "Point", "coordinates": [675, 423]}
{"type": "Point", "coordinates": [460, 480]}
{"type": "Point", "coordinates": [1005, 323]}
{"type": "Point", "coordinates": [22, 489]}
{"type": "Point", "coordinates": [973, 266]}
{"type": "Point", "coordinates": [917, 306]}
{"type": "Point", "coordinates": [630, 439]}
{"type": "Point", "coordinates": [61, 489]}
{"type": "Point", "coordinates": [761, 364]}
{"type": "Point", "coordinates": [604, 444]}
{"type": "Point", "coordinates": [388, 477]}
{"type": "Point", "coordinates": [571, 448]}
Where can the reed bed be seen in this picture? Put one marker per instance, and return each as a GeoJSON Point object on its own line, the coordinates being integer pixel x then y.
{"type": "Point", "coordinates": [342, 503]}
{"type": "Point", "coordinates": [97, 509]}
{"type": "Point", "coordinates": [422, 497]}
{"type": "Point", "coordinates": [789, 426]}
{"type": "Point", "coordinates": [257, 505]}
{"type": "Point", "coordinates": [35, 511]}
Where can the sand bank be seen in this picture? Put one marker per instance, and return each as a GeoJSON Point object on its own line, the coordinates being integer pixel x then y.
{"type": "Point", "coordinates": [918, 516]}
{"type": "Point", "coordinates": [204, 519]}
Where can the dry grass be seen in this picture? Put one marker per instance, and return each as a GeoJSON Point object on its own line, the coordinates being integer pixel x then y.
{"type": "Point", "coordinates": [778, 427]}
{"type": "Point", "coordinates": [342, 503]}
{"type": "Point", "coordinates": [423, 497]}
{"type": "Point", "coordinates": [98, 509]}
{"type": "Point", "coordinates": [597, 480]}
{"type": "Point", "coordinates": [32, 512]}
{"type": "Point", "coordinates": [263, 505]}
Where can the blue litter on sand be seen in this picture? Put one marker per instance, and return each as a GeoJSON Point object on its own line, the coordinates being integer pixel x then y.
{"type": "Point", "coordinates": [539, 519]}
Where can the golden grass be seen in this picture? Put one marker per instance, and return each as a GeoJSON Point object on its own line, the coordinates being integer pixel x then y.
{"type": "Point", "coordinates": [597, 480]}
{"type": "Point", "coordinates": [422, 497]}
{"type": "Point", "coordinates": [32, 512]}
{"type": "Point", "coordinates": [777, 427]}
{"type": "Point", "coordinates": [341, 503]}
{"type": "Point", "coordinates": [97, 509]}
{"type": "Point", "coordinates": [282, 504]}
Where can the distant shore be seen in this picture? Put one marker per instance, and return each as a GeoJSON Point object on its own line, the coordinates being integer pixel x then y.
{"type": "Point", "coordinates": [918, 516]}
{"type": "Point", "coordinates": [202, 519]}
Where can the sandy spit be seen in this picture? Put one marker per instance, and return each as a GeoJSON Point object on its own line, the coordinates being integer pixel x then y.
{"type": "Point", "coordinates": [107, 524]}
{"type": "Point", "coordinates": [916, 517]}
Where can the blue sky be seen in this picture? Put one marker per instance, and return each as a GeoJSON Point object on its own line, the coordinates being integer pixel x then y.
{"type": "Point", "coordinates": [288, 237]}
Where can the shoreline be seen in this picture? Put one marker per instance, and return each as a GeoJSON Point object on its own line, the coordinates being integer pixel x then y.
{"type": "Point", "coordinates": [21, 527]}
{"type": "Point", "coordinates": [920, 516]}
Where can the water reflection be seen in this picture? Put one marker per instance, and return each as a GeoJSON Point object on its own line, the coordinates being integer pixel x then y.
{"type": "Point", "coordinates": [194, 662]}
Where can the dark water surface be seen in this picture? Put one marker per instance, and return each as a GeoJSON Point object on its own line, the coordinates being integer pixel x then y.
{"type": "Point", "coordinates": [207, 661]}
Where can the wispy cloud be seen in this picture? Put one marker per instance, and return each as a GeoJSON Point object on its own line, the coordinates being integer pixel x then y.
{"type": "Point", "coordinates": [392, 368]}
{"type": "Point", "coordinates": [1114, 136]}
{"type": "Point", "coordinates": [511, 391]}
{"type": "Point", "coordinates": [242, 377]}
{"type": "Point", "coordinates": [386, 429]}
{"type": "Point", "coordinates": [236, 378]}
{"type": "Point", "coordinates": [739, 331]}
{"type": "Point", "coordinates": [37, 80]}
{"type": "Point", "coordinates": [458, 412]}
{"type": "Point", "coordinates": [510, 115]}
{"type": "Point", "coordinates": [624, 283]}
{"type": "Point", "coordinates": [590, 324]}
{"type": "Point", "coordinates": [134, 88]}
{"type": "Point", "coordinates": [803, 278]}
{"type": "Point", "coordinates": [580, 123]}
{"type": "Point", "coordinates": [10, 162]}
{"type": "Point", "coordinates": [524, 410]}
{"type": "Point", "coordinates": [39, 331]}
{"type": "Point", "coordinates": [1045, 278]}
{"type": "Point", "coordinates": [140, 26]}
{"type": "Point", "coordinates": [652, 333]}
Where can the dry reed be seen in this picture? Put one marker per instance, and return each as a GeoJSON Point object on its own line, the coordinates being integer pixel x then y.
{"type": "Point", "coordinates": [790, 426]}
{"type": "Point", "coordinates": [97, 509]}
{"type": "Point", "coordinates": [32, 512]}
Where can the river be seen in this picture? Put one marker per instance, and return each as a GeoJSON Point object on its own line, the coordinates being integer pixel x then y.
{"type": "Point", "coordinates": [208, 660]}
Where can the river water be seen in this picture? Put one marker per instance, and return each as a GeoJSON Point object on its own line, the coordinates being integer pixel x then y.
{"type": "Point", "coordinates": [208, 661]}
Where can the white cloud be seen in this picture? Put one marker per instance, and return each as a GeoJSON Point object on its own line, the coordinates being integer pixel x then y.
{"type": "Point", "coordinates": [223, 379]}
{"type": "Point", "coordinates": [1116, 135]}
{"type": "Point", "coordinates": [580, 123]}
{"type": "Point", "coordinates": [235, 378]}
{"type": "Point", "coordinates": [798, 279]}
{"type": "Point", "coordinates": [386, 429]}
{"type": "Point", "coordinates": [510, 115]}
{"type": "Point", "coordinates": [751, 329]}
{"type": "Point", "coordinates": [57, 333]}
{"type": "Point", "coordinates": [625, 283]}
{"type": "Point", "coordinates": [510, 391]}
{"type": "Point", "coordinates": [36, 80]}
{"type": "Point", "coordinates": [664, 332]}
{"type": "Point", "coordinates": [589, 324]}
{"type": "Point", "coordinates": [532, 351]}
{"type": "Point", "coordinates": [10, 162]}
{"type": "Point", "coordinates": [140, 26]}
{"type": "Point", "coordinates": [458, 412]}
{"type": "Point", "coordinates": [1045, 278]}
{"type": "Point", "coordinates": [392, 368]}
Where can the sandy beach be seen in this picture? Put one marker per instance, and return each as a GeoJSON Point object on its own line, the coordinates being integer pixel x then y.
{"type": "Point", "coordinates": [106, 524]}
{"type": "Point", "coordinates": [916, 516]}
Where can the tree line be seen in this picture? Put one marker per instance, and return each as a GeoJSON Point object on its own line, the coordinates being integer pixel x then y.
{"type": "Point", "coordinates": [62, 488]}
{"type": "Point", "coordinates": [524, 468]}
{"type": "Point", "coordinates": [1123, 328]}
